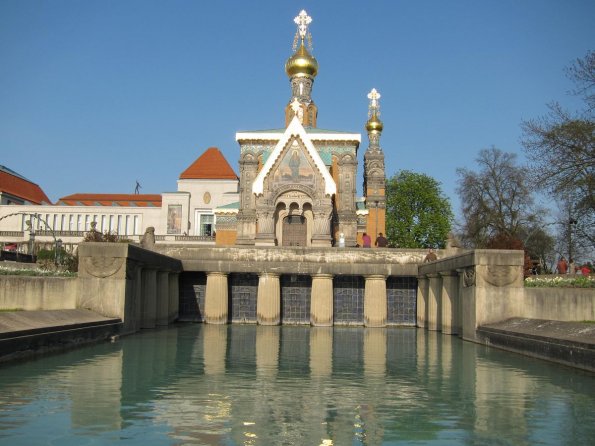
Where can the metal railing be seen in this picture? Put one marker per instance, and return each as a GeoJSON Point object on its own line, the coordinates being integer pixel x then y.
{"type": "Point", "coordinates": [12, 233]}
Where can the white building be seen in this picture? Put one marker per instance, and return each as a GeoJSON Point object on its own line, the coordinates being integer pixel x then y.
{"type": "Point", "coordinates": [185, 216]}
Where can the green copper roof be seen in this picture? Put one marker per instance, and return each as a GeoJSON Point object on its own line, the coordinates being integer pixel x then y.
{"type": "Point", "coordinates": [235, 205]}
{"type": "Point", "coordinates": [360, 205]}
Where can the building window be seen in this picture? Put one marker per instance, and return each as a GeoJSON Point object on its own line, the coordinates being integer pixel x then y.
{"type": "Point", "coordinates": [207, 225]}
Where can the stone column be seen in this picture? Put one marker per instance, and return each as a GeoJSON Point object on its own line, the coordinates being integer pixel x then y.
{"type": "Point", "coordinates": [162, 298]}
{"type": "Point", "coordinates": [434, 313]}
{"type": "Point", "coordinates": [448, 301]}
{"type": "Point", "coordinates": [265, 227]}
{"type": "Point", "coordinates": [422, 301]}
{"type": "Point", "coordinates": [134, 324]}
{"type": "Point", "coordinates": [174, 297]}
{"type": "Point", "coordinates": [216, 298]}
{"type": "Point", "coordinates": [149, 298]}
{"type": "Point", "coordinates": [375, 310]}
{"type": "Point", "coordinates": [268, 300]}
{"type": "Point", "coordinates": [321, 305]}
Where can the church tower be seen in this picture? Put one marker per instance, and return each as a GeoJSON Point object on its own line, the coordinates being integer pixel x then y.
{"type": "Point", "coordinates": [374, 173]}
{"type": "Point", "coordinates": [298, 183]}
{"type": "Point", "coordinates": [301, 68]}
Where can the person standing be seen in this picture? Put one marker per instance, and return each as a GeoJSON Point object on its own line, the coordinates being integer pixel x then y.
{"type": "Point", "coordinates": [381, 241]}
{"type": "Point", "coordinates": [366, 240]}
{"type": "Point", "coordinates": [562, 266]}
{"type": "Point", "coordinates": [572, 267]}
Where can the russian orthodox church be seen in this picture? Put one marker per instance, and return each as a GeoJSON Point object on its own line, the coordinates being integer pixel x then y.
{"type": "Point", "coordinates": [296, 187]}
{"type": "Point", "coordinates": [298, 184]}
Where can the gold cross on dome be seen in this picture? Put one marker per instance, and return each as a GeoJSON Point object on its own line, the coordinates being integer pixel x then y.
{"type": "Point", "coordinates": [302, 21]}
{"type": "Point", "coordinates": [373, 96]}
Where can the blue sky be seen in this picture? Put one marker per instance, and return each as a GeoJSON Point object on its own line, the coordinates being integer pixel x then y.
{"type": "Point", "coordinates": [97, 94]}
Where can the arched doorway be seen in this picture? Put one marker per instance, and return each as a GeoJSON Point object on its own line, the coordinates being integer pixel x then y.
{"type": "Point", "coordinates": [295, 230]}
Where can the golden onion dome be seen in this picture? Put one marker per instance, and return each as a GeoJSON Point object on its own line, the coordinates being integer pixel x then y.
{"type": "Point", "coordinates": [301, 63]}
{"type": "Point", "coordinates": [374, 124]}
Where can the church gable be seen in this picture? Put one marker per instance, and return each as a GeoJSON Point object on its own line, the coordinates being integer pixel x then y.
{"type": "Point", "coordinates": [295, 157]}
{"type": "Point", "coordinates": [295, 166]}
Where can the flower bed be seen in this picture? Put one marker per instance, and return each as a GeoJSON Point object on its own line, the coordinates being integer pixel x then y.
{"type": "Point", "coordinates": [560, 282]}
{"type": "Point", "coordinates": [4, 271]}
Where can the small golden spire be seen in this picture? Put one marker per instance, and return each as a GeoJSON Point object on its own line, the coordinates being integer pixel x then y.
{"type": "Point", "coordinates": [302, 63]}
{"type": "Point", "coordinates": [374, 124]}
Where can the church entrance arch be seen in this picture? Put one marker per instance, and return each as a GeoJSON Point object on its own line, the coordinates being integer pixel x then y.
{"type": "Point", "coordinates": [295, 230]}
{"type": "Point", "coordinates": [293, 219]}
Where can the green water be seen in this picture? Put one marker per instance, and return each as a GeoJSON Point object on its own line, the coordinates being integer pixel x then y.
{"type": "Point", "coordinates": [249, 385]}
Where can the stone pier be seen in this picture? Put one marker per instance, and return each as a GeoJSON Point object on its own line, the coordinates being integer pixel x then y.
{"type": "Point", "coordinates": [121, 280]}
{"type": "Point", "coordinates": [321, 307]}
{"type": "Point", "coordinates": [268, 303]}
{"type": "Point", "coordinates": [375, 309]}
{"type": "Point", "coordinates": [216, 298]}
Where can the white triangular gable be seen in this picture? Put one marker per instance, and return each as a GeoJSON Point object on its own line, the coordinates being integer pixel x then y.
{"type": "Point", "coordinates": [295, 128]}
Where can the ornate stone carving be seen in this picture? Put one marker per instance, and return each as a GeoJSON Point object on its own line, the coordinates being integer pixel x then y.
{"type": "Point", "coordinates": [102, 267]}
{"type": "Point", "coordinates": [500, 275]}
{"type": "Point", "coordinates": [469, 277]}
{"type": "Point", "coordinates": [148, 239]}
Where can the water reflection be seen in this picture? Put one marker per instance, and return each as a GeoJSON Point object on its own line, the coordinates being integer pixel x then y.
{"type": "Point", "coordinates": [251, 385]}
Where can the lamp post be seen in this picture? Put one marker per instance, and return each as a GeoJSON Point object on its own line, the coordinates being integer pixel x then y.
{"type": "Point", "coordinates": [571, 222]}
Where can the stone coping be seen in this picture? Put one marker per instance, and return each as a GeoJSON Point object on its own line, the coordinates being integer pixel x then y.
{"type": "Point", "coordinates": [299, 260]}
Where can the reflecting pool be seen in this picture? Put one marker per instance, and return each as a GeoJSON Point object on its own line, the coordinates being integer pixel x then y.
{"type": "Point", "coordinates": [256, 385]}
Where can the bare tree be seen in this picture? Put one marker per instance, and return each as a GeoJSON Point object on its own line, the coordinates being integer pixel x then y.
{"type": "Point", "coordinates": [496, 200]}
{"type": "Point", "coordinates": [582, 72]}
{"type": "Point", "coordinates": [561, 151]}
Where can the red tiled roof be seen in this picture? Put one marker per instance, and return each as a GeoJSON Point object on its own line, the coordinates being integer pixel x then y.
{"type": "Point", "coordinates": [211, 165]}
{"type": "Point", "coordinates": [140, 200]}
{"type": "Point", "coordinates": [22, 188]}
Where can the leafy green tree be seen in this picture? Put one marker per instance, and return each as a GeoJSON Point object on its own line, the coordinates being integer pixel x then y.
{"type": "Point", "coordinates": [418, 215]}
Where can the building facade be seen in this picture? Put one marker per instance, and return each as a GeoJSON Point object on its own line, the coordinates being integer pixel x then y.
{"type": "Point", "coordinates": [298, 184]}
